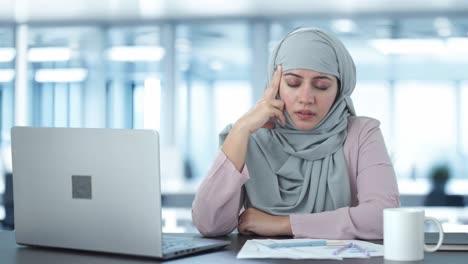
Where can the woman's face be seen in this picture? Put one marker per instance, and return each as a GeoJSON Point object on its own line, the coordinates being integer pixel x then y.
{"type": "Point", "coordinates": [308, 96]}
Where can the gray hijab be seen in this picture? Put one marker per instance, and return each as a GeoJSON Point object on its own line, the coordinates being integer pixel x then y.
{"type": "Point", "coordinates": [293, 171]}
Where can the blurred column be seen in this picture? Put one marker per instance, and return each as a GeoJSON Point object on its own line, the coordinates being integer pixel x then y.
{"type": "Point", "coordinates": [120, 90]}
{"type": "Point", "coordinates": [392, 64]}
{"type": "Point", "coordinates": [168, 88]}
{"type": "Point", "coordinates": [94, 96]}
{"type": "Point", "coordinates": [61, 105]}
{"type": "Point", "coordinates": [188, 161]}
{"type": "Point", "coordinates": [22, 91]}
{"type": "Point", "coordinates": [45, 115]}
{"type": "Point", "coordinates": [391, 112]}
{"type": "Point", "coordinates": [75, 105]}
{"type": "Point", "coordinates": [458, 118]}
{"type": "Point", "coordinates": [7, 111]}
{"type": "Point", "coordinates": [260, 36]}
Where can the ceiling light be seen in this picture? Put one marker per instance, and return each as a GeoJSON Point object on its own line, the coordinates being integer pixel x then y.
{"type": "Point", "coordinates": [6, 75]}
{"type": "Point", "coordinates": [409, 46]}
{"type": "Point", "coordinates": [450, 46]}
{"type": "Point", "coordinates": [61, 75]}
{"type": "Point", "coordinates": [344, 25]}
{"type": "Point", "coordinates": [135, 53]}
{"type": "Point", "coordinates": [49, 54]}
{"type": "Point", "coordinates": [7, 54]}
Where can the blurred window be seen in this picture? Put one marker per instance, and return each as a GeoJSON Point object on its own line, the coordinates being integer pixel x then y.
{"type": "Point", "coordinates": [134, 84]}
{"type": "Point", "coordinates": [228, 111]}
{"type": "Point", "coordinates": [146, 104]}
{"type": "Point", "coordinates": [373, 100]}
{"type": "Point", "coordinates": [213, 64]}
{"type": "Point", "coordinates": [425, 126]}
{"type": "Point", "coordinates": [7, 78]}
{"type": "Point", "coordinates": [192, 78]}
{"type": "Point", "coordinates": [61, 68]}
{"type": "Point", "coordinates": [464, 121]}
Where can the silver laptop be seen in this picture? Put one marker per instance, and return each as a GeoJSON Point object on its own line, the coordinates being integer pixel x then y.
{"type": "Point", "coordinates": [452, 241]}
{"type": "Point", "coordinates": [93, 189]}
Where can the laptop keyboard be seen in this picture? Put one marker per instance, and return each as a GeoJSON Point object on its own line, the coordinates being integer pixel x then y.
{"type": "Point", "coordinates": [173, 244]}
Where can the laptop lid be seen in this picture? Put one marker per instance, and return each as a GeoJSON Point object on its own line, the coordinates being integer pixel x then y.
{"type": "Point", "coordinates": [90, 189]}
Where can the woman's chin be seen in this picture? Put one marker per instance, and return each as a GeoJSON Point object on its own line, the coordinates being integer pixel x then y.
{"type": "Point", "coordinates": [304, 126]}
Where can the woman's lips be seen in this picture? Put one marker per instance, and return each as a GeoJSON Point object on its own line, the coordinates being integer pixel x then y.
{"type": "Point", "coordinates": [305, 115]}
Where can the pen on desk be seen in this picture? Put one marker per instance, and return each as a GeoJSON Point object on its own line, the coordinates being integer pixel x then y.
{"type": "Point", "coordinates": [364, 251]}
{"type": "Point", "coordinates": [313, 243]}
{"type": "Point", "coordinates": [351, 245]}
{"type": "Point", "coordinates": [343, 248]}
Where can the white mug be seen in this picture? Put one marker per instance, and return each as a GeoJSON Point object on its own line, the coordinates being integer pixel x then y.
{"type": "Point", "coordinates": [404, 234]}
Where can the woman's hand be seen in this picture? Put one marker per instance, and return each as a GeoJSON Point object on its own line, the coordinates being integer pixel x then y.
{"type": "Point", "coordinates": [254, 221]}
{"type": "Point", "coordinates": [268, 110]}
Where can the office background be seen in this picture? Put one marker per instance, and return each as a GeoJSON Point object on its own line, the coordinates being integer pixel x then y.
{"type": "Point", "coordinates": [189, 68]}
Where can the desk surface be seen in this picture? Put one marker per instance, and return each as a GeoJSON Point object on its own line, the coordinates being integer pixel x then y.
{"type": "Point", "coordinates": [10, 253]}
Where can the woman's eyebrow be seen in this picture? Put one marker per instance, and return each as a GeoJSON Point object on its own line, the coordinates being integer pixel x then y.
{"type": "Point", "coordinates": [292, 74]}
{"type": "Point", "coordinates": [322, 77]}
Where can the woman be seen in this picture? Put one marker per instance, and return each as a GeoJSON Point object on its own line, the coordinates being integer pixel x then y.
{"type": "Point", "coordinates": [300, 162]}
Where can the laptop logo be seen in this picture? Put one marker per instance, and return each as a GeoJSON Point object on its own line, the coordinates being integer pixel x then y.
{"type": "Point", "coordinates": [81, 187]}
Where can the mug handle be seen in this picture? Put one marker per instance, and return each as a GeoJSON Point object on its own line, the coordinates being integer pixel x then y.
{"type": "Point", "coordinates": [441, 234]}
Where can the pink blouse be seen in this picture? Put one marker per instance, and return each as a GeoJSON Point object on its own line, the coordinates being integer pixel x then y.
{"type": "Point", "coordinates": [219, 199]}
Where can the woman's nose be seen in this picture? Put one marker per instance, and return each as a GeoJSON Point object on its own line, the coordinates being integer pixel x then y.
{"type": "Point", "coordinates": [306, 95]}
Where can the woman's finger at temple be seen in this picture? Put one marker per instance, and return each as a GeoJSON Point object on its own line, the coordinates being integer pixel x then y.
{"type": "Point", "coordinates": [272, 90]}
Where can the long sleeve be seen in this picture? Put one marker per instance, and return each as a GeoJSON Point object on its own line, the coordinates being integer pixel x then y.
{"type": "Point", "coordinates": [373, 187]}
{"type": "Point", "coordinates": [215, 209]}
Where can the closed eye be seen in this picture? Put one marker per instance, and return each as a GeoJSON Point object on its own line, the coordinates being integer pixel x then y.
{"type": "Point", "coordinates": [322, 84]}
{"type": "Point", "coordinates": [294, 85]}
{"type": "Point", "coordinates": [323, 88]}
{"type": "Point", "coordinates": [293, 81]}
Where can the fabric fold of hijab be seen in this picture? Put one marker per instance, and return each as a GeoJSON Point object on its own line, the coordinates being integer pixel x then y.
{"type": "Point", "coordinates": [294, 171]}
